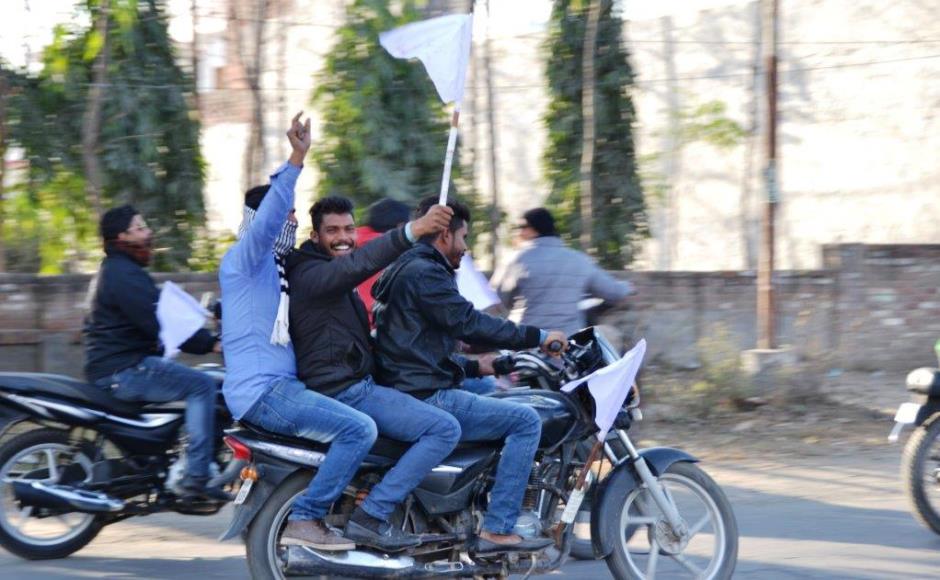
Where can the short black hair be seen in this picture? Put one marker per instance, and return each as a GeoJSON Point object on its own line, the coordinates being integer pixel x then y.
{"type": "Point", "coordinates": [332, 204]}
{"type": "Point", "coordinates": [387, 214]}
{"type": "Point", "coordinates": [540, 220]}
{"type": "Point", "coordinates": [116, 221]}
{"type": "Point", "coordinates": [461, 214]}
{"type": "Point", "coordinates": [254, 196]}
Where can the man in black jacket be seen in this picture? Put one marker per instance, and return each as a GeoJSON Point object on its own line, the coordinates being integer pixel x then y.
{"type": "Point", "coordinates": [123, 352]}
{"type": "Point", "coordinates": [419, 316]}
{"type": "Point", "coordinates": [329, 328]}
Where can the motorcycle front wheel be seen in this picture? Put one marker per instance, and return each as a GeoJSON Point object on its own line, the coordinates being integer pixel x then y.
{"type": "Point", "coordinates": [920, 469]}
{"type": "Point", "coordinates": [647, 547]}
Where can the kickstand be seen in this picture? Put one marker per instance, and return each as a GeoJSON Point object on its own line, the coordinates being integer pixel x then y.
{"type": "Point", "coordinates": [531, 568]}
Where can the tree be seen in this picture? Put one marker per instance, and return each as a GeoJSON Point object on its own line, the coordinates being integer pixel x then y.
{"type": "Point", "coordinates": [384, 127]}
{"type": "Point", "coordinates": [146, 145]}
{"type": "Point", "coordinates": [619, 220]}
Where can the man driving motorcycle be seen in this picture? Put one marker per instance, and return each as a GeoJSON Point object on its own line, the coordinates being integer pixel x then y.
{"type": "Point", "coordinates": [330, 331]}
{"type": "Point", "coordinates": [419, 317]}
{"type": "Point", "coordinates": [122, 345]}
{"type": "Point", "coordinates": [261, 385]}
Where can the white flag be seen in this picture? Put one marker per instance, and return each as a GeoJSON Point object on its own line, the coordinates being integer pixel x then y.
{"type": "Point", "coordinates": [442, 44]}
{"type": "Point", "coordinates": [179, 315]}
{"type": "Point", "coordinates": [474, 286]}
{"type": "Point", "coordinates": [610, 386]}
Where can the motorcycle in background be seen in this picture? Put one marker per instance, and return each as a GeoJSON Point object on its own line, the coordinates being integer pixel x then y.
{"type": "Point", "coordinates": [920, 464]}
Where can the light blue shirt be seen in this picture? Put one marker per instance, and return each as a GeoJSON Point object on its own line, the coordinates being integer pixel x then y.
{"type": "Point", "coordinates": [250, 296]}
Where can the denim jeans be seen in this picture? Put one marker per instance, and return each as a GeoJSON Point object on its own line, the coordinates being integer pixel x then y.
{"type": "Point", "coordinates": [480, 386]}
{"type": "Point", "coordinates": [289, 408]}
{"type": "Point", "coordinates": [158, 380]}
{"type": "Point", "coordinates": [402, 417]}
{"type": "Point", "coordinates": [489, 419]}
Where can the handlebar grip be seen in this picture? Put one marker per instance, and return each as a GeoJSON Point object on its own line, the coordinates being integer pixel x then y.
{"type": "Point", "coordinates": [504, 365]}
{"type": "Point", "coordinates": [555, 346]}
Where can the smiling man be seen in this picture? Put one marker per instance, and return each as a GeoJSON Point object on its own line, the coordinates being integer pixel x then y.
{"type": "Point", "coordinates": [330, 331]}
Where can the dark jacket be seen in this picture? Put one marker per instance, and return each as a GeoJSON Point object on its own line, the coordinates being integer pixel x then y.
{"type": "Point", "coordinates": [122, 327]}
{"type": "Point", "coordinates": [420, 315]}
{"type": "Point", "coordinates": [329, 326]}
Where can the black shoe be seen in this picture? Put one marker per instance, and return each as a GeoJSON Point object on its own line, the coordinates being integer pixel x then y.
{"type": "Point", "coordinates": [368, 531]}
{"type": "Point", "coordinates": [196, 489]}
{"type": "Point", "coordinates": [525, 545]}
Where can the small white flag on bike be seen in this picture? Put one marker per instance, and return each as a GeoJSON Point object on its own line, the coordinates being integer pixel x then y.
{"type": "Point", "coordinates": [610, 386]}
{"type": "Point", "coordinates": [442, 44]}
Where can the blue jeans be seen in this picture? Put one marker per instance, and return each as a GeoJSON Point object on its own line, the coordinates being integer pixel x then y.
{"type": "Point", "coordinates": [480, 385]}
{"type": "Point", "coordinates": [489, 419]}
{"type": "Point", "coordinates": [291, 409]}
{"type": "Point", "coordinates": [399, 416]}
{"type": "Point", "coordinates": [158, 380]}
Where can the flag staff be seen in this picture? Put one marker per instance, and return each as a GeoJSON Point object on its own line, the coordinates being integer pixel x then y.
{"type": "Point", "coordinates": [449, 156]}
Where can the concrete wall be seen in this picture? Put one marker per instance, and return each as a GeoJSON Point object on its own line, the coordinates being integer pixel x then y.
{"type": "Point", "coordinates": [872, 307]}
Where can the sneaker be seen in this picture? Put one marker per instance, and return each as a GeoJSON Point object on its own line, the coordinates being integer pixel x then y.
{"type": "Point", "coordinates": [195, 489]}
{"type": "Point", "coordinates": [315, 534]}
{"type": "Point", "coordinates": [375, 533]}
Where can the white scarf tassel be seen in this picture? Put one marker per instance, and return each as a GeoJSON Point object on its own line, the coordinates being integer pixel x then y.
{"type": "Point", "coordinates": [281, 333]}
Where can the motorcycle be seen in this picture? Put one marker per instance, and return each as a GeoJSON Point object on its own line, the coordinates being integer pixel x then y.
{"type": "Point", "coordinates": [656, 512]}
{"type": "Point", "coordinates": [920, 463]}
{"type": "Point", "coordinates": [74, 459]}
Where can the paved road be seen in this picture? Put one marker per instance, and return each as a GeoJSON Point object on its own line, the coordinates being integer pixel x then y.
{"type": "Point", "coordinates": [819, 517]}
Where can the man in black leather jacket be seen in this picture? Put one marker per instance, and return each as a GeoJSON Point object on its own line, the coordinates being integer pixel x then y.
{"type": "Point", "coordinates": [419, 317]}
{"type": "Point", "coordinates": [330, 332]}
{"type": "Point", "coordinates": [123, 352]}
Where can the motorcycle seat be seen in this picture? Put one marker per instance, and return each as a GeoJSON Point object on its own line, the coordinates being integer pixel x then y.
{"type": "Point", "coordinates": [384, 448]}
{"type": "Point", "coordinates": [61, 386]}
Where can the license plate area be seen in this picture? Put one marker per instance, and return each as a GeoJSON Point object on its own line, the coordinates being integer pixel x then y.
{"type": "Point", "coordinates": [243, 491]}
{"type": "Point", "coordinates": [907, 413]}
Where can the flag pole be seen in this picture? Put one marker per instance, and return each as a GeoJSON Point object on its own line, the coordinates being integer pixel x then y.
{"type": "Point", "coordinates": [449, 157]}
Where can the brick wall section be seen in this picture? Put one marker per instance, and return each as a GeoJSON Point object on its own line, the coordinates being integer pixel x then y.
{"type": "Point", "coordinates": [872, 307]}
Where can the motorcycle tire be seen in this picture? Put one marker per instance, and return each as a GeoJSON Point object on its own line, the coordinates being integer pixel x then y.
{"type": "Point", "coordinates": [617, 560]}
{"type": "Point", "coordinates": [913, 463]}
{"type": "Point", "coordinates": [261, 537]}
{"type": "Point", "coordinates": [44, 550]}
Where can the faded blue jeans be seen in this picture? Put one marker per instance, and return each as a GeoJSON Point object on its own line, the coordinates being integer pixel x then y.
{"type": "Point", "coordinates": [404, 418]}
{"type": "Point", "coordinates": [490, 419]}
{"type": "Point", "coordinates": [289, 408]}
{"type": "Point", "coordinates": [158, 380]}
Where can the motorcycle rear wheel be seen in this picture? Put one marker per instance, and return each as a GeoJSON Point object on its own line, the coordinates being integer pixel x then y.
{"type": "Point", "coordinates": [21, 533]}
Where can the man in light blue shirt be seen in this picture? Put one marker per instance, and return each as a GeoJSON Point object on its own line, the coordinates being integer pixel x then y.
{"type": "Point", "coordinates": [261, 385]}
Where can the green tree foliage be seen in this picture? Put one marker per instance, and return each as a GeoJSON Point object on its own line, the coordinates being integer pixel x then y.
{"type": "Point", "coordinates": [384, 127]}
{"type": "Point", "coordinates": [148, 144]}
{"type": "Point", "coordinates": [619, 208]}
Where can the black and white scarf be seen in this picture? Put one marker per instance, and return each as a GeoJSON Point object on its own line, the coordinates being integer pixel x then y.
{"type": "Point", "coordinates": [283, 245]}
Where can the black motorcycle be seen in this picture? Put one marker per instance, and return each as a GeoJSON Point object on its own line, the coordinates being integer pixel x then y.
{"type": "Point", "coordinates": [74, 459]}
{"type": "Point", "coordinates": [655, 513]}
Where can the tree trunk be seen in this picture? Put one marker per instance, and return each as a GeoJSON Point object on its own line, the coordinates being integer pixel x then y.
{"type": "Point", "coordinates": [255, 158]}
{"type": "Point", "coordinates": [194, 58]}
{"type": "Point", "coordinates": [3, 164]}
{"type": "Point", "coordinates": [91, 122]}
{"type": "Point", "coordinates": [588, 125]}
{"type": "Point", "coordinates": [491, 124]}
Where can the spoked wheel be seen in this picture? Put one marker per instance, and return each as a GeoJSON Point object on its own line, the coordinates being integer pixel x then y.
{"type": "Point", "coordinates": [29, 532]}
{"type": "Point", "coordinates": [920, 468]}
{"type": "Point", "coordinates": [649, 548]}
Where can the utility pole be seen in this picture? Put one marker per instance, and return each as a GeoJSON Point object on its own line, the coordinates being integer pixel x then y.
{"type": "Point", "coordinates": [194, 58]}
{"type": "Point", "coordinates": [766, 319]}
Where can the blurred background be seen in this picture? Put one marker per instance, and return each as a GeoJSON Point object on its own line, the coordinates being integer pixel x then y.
{"type": "Point", "coordinates": [178, 106]}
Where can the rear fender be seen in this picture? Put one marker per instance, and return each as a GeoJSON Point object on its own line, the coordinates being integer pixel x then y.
{"type": "Point", "coordinates": [270, 476]}
{"type": "Point", "coordinates": [616, 486]}
{"type": "Point", "coordinates": [928, 413]}
{"type": "Point", "coordinates": [10, 417]}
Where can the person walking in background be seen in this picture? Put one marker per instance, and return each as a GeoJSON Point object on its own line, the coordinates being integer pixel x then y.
{"type": "Point", "coordinates": [382, 216]}
{"type": "Point", "coordinates": [545, 282]}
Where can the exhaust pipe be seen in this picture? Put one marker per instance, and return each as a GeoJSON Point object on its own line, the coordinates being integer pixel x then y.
{"type": "Point", "coordinates": [63, 497]}
{"type": "Point", "coordinates": [306, 561]}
